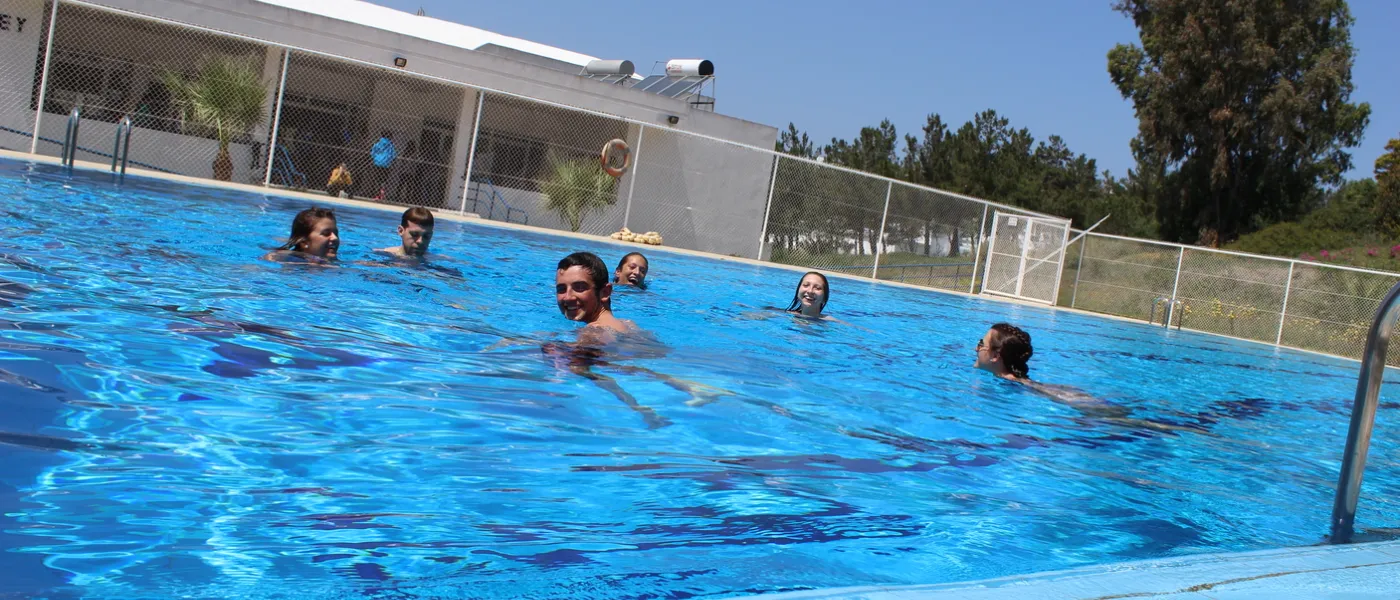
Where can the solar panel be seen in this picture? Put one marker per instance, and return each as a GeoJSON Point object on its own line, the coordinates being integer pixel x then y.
{"type": "Point", "coordinates": [680, 86]}
{"type": "Point", "coordinates": [650, 82]}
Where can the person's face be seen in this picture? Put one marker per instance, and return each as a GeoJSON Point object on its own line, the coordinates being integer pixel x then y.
{"type": "Point", "coordinates": [578, 299]}
{"type": "Point", "coordinates": [987, 360]}
{"type": "Point", "coordinates": [324, 240]}
{"type": "Point", "coordinates": [415, 238]}
{"type": "Point", "coordinates": [810, 293]}
{"type": "Point", "coordinates": [632, 272]}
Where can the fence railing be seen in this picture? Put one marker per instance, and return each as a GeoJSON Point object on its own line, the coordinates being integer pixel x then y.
{"type": "Point", "coordinates": [1300, 304]}
{"type": "Point", "coordinates": [222, 105]}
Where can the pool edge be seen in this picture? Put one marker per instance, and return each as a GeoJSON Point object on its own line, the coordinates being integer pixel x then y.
{"type": "Point", "coordinates": [1273, 573]}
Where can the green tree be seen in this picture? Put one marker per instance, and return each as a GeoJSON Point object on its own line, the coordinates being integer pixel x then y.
{"type": "Point", "coordinates": [1387, 200]}
{"type": "Point", "coordinates": [1245, 102]}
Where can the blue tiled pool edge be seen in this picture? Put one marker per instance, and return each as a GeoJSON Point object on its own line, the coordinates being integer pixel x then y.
{"type": "Point", "coordinates": [1283, 573]}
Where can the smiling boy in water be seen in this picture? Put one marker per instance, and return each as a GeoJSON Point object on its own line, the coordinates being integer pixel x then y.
{"type": "Point", "coordinates": [582, 291]}
{"type": "Point", "coordinates": [416, 232]}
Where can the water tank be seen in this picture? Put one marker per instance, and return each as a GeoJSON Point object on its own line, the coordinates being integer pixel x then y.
{"type": "Point", "coordinates": [609, 67]}
{"type": "Point", "coordinates": [690, 67]}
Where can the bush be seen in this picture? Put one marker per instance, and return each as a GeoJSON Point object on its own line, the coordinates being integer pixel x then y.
{"type": "Point", "coordinates": [1292, 240]}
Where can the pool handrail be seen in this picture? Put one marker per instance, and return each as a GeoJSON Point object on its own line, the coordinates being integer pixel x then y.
{"type": "Point", "coordinates": [121, 148]}
{"type": "Point", "coordinates": [1363, 418]}
{"type": "Point", "coordinates": [1167, 312]}
{"type": "Point", "coordinates": [70, 138]}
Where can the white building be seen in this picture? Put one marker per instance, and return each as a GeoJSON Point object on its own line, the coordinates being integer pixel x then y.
{"type": "Point", "coordinates": [343, 90]}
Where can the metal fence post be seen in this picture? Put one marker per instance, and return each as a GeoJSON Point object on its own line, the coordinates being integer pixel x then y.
{"type": "Point", "coordinates": [277, 117]}
{"type": "Point", "coordinates": [768, 208]}
{"type": "Point", "coordinates": [636, 168]}
{"type": "Point", "coordinates": [875, 270]}
{"type": "Point", "coordinates": [44, 82]}
{"type": "Point", "coordinates": [1083, 247]}
{"type": "Point", "coordinates": [977, 255]}
{"type": "Point", "coordinates": [471, 150]}
{"type": "Point", "coordinates": [1283, 313]}
{"type": "Point", "coordinates": [1181, 256]}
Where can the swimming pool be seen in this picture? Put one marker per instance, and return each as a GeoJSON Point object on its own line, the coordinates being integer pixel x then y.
{"type": "Point", "coordinates": [179, 418]}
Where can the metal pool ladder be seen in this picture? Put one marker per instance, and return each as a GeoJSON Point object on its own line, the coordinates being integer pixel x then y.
{"type": "Point", "coordinates": [121, 148]}
{"type": "Point", "coordinates": [70, 139]}
{"type": "Point", "coordinates": [1167, 312]}
{"type": "Point", "coordinates": [1363, 417]}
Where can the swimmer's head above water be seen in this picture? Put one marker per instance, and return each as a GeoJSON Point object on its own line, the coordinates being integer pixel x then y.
{"type": "Point", "coordinates": [416, 230]}
{"type": "Point", "coordinates": [314, 232]}
{"type": "Point", "coordinates": [632, 270]}
{"type": "Point", "coordinates": [812, 294]}
{"type": "Point", "coordinates": [581, 287]}
{"type": "Point", "coordinates": [1005, 350]}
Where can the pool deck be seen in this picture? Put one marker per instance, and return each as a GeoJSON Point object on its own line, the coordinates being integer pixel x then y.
{"type": "Point", "coordinates": [1358, 571]}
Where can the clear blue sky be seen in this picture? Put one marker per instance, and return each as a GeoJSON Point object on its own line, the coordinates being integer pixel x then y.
{"type": "Point", "coordinates": [833, 67]}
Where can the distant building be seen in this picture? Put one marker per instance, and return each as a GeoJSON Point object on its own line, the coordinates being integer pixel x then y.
{"type": "Point", "coordinates": [342, 92]}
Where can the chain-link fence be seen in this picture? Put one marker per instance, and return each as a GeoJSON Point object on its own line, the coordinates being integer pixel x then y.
{"type": "Point", "coordinates": [215, 105]}
{"type": "Point", "coordinates": [395, 136]}
{"type": "Point", "coordinates": [1305, 305]}
{"type": "Point", "coordinates": [209, 104]}
{"type": "Point", "coordinates": [931, 238]}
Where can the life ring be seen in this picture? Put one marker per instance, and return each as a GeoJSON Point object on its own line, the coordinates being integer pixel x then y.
{"type": "Point", "coordinates": [616, 151]}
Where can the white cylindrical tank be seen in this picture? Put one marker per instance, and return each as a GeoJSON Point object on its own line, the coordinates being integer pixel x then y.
{"type": "Point", "coordinates": [690, 67]}
{"type": "Point", "coordinates": [609, 67]}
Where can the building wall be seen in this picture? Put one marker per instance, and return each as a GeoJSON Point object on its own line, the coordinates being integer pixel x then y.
{"type": "Point", "coordinates": [686, 187]}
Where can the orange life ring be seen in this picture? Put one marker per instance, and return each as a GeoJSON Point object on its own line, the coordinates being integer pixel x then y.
{"type": "Point", "coordinates": [611, 152]}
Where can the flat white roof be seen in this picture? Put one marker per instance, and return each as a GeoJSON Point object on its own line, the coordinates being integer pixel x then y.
{"type": "Point", "coordinates": [427, 28]}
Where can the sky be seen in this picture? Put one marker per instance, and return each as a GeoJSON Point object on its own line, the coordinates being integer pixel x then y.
{"type": "Point", "coordinates": [832, 67]}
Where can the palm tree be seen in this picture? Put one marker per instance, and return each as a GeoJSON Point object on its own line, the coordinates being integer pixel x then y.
{"type": "Point", "coordinates": [225, 95]}
{"type": "Point", "coordinates": [576, 188]}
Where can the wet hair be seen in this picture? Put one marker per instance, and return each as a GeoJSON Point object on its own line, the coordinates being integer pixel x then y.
{"type": "Point", "coordinates": [303, 223]}
{"type": "Point", "coordinates": [623, 262]}
{"type": "Point", "coordinates": [597, 271]}
{"type": "Point", "coordinates": [417, 215]}
{"type": "Point", "coordinates": [1013, 346]}
{"type": "Point", "coordinates": [796, 305]}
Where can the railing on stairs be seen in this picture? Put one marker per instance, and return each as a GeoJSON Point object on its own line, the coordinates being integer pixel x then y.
{"type": "Point", "coordinates": [1363, 417]}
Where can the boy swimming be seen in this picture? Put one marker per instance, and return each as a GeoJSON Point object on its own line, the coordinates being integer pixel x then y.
{"type": "Point", "coordinates": [415, 231]}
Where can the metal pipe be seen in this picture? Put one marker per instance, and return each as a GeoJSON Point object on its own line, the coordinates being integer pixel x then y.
{"type": "Point", "coordinates": [126, 151]}
{"type": "Point", "coordinates": [1363, 417]}
{"type": "Point", "coordinates": [471, 151]}
{"type": "Point", "coordinates": [120, 151]}
{"type": "Point", "coordinates": [763, 233]}
{"type": "Point", "coordinates": [277, 121]}
{"type": "Point", "coordinates": [1283, 312]}
{"type": "Point", "coordinates": [44, 81]}
{"type": "Point", "coordinates": [70, 138]}
{"type": "Point", "coordinates": [1079, 270]}
{"type": "Point", "coordinates": [875, 270]}
{"type": "Point", "coordinates": [977, 254]}
{"type": "Point", "coordinates": [632, 183]}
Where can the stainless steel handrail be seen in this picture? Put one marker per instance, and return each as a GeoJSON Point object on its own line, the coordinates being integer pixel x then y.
{"type": "Point", "coordinates": [70, 138]}
{"type": "Point", "coordinates": [1363, 417]}
{"type": "Point", "coordinates": [1167, 311]}
{"type": "Point", "coordinates": [121, 147]}
{"type": "Point", "coordinates": [1152, 315]}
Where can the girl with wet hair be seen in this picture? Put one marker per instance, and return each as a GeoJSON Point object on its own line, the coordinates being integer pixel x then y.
{"type": "Point", "coordinates": [811, 296]}
{"type": "Point", "coordinates": [1005, 351]}
{"type": "Point", "coordinates": [314, 234]}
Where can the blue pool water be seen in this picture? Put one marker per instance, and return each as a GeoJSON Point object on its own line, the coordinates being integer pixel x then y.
{"type": "Point", "coordinates": [181, 419]}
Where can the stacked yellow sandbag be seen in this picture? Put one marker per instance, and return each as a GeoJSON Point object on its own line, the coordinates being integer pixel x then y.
{"type": "Point", "coordinates": [626, 235]}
